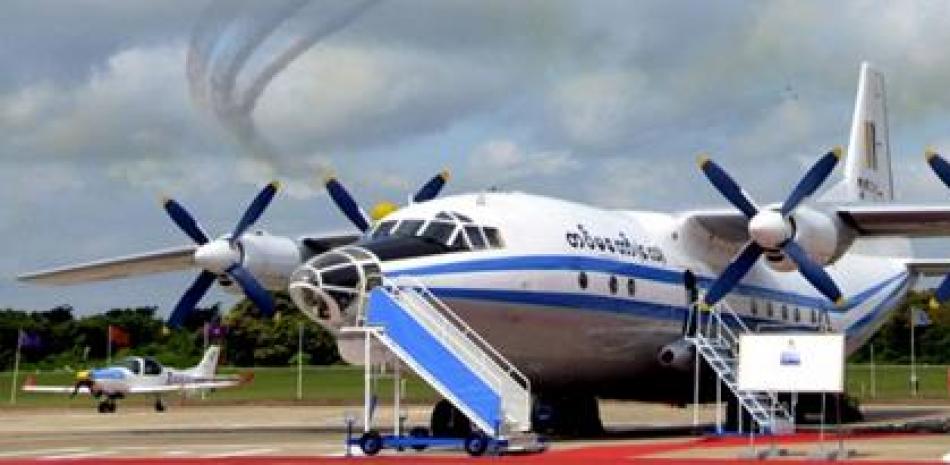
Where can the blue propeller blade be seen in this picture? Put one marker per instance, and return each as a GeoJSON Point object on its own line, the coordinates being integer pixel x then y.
{"type": "Point", "coordinates": [733, 273]}
{"type": "Point", "coordinates": [813, 272]}
{"type": "Point", "coordinates": [943, 292]}
{"type": "Point", "coordinates": [191, 298]}
{"type": "Point", "coordinates": [939, 166]}
{"type": "Point", "coordinates": [255, 209]}
{"type": "Point", "coordinates": [812, 180]}
{"type": "Point", "coordinates": [345, 202]}
{"type": "Point", "coordinates": [432, 188]}
{"type": "Point", "coordinates": [252, 289]}
{"type": "Point", "coordinates": [727, 187]}
{"type": "Point", "coordinates": [185, 221]}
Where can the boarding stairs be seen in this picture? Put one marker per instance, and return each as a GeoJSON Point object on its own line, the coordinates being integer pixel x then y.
{"type": "Point", "coordinates": [448, 354]}
{"type": "Point", "coordinates": [715, 335]}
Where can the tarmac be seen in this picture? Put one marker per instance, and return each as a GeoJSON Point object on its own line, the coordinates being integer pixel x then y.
{"type": "Point", "coordinates": [642, 433]}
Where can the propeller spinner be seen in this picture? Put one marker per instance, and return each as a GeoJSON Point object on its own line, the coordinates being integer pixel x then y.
{"type": "Point", "coordinates": [348, 205]}
{"type": "Point", "coordinates": [221, 257]}
{"type": "Point", "coordinates": [771, 230]}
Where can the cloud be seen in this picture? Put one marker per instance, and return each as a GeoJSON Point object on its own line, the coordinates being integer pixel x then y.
{"type": "Point", "coordinates": [504, 161]}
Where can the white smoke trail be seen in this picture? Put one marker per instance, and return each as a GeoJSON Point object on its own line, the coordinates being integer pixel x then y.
{"type": "Point", "coordinates": [226, 36]}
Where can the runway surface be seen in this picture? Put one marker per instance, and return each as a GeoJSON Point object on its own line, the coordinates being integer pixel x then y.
{"type": "Point", "coordinates": [306, 434]}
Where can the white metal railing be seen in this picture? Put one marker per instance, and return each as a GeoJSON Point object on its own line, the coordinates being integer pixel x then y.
{"type": "Point", "coordinates": [513, 386]}
{"type": "Point", "coordinates": [714, 332]}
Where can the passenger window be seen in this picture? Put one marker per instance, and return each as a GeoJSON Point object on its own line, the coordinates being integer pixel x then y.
{"type": "Point", "coordinates": [797, 314]}
{"type": "Point", "coordinates": [582, 280]}
{"type": "Point", "coordinates": [152, 367]}
{"type": "Point", "coordinates": [384, 229]}
{"type": "Point", "coordinates": [814, 316]}
{"type": "Point", "coordinates": [754, 307]}
{"type": "Point", "coordinates": [769, 310]}
{"type": "Point", "coordinates": [784, 312]}
{"type": "Point", "coordinates": [408, 228]}
{"type": "Point", "coordinates": [475, 236]}
{"type": "Point", "coordinates": [612, 284]}
{"type": "Point", "coordinates": [494, 237]}
{"type": "Point", "coordinates": [631, 287]}
{"type": "Point", "coordinates": [440, 232]}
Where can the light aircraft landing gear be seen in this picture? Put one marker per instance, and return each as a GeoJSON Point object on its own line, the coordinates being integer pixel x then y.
{"type": "Point", "coordinates": [159, 405]}
{"type": "Point", "coordinates": [107, 406]}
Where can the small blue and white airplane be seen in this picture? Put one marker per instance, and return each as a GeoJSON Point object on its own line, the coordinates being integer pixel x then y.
{"type": "Point", "coordinates": [143, 375]}
{"type": "Point", "coordinates": [590, 302]}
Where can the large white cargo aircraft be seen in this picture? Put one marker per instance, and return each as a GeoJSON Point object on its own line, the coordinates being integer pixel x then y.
{"type": "Point", "coordinates": [591, 302]}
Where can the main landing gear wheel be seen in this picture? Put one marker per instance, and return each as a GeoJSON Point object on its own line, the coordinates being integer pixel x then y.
{"type": "Point", "coordinates": [159, 406]}
{"type": "Point", "coordinates": [371, 443]}
{"type": "Point", "coordinates": [107, 406]}
{"type": "Point", "coordinates": [448, 422]}
{"type": "Point", "coordinates": [476, 444]}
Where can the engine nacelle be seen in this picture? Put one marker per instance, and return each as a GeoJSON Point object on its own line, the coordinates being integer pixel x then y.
{"type": "Point", "coordinates": [271, 259]}
{"type": "Point", "coordinates": [678, 355]}
{"type": "Point", "coordinates": [823, 235]}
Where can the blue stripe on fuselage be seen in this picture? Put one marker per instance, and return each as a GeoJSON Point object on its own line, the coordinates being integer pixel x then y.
{"type": "Point", "coordinates": [632, 270]}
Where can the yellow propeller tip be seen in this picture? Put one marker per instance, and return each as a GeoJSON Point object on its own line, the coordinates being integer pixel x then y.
{"type": "Point", "coordinates": [446, 175]}
{"type": "Point", "coordinates": [164, 200]}
{"type": "Point", "coordinates": [841, 302]}
{"type": "Point", "coordinates": [703, 307]}
{"type": "Point", "coordinates": [275, 184]}
{"type": "Point", "coordinates": [329, 178]}
{"type": "Point", "coordinates": [934, 305]}
{"type": "Point", "coordinates": [837, 151]}
{"type": "Point", "coordinates": [930, 153]}
{"type": "Point", "coordinates": [702, 160]}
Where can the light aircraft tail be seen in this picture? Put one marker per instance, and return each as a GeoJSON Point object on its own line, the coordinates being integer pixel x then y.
{"type": "Point", "coordinates": [867, 171]}
{"type": "Point", "coordinates": [208, 364]}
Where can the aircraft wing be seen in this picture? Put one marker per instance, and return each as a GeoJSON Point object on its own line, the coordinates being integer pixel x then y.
{"type": "Point", "coordinates": [209, 384]}
{"type": "Point", "coordinates": [159, 261]}
{"type": "Point", "coordinates": [877, 220]}
{"type": "Point", "coordinates": [49, 389]}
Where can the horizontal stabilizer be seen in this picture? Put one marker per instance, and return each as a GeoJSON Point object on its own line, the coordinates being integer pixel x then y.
{"type": "Point", "coordinates": [160, 261]}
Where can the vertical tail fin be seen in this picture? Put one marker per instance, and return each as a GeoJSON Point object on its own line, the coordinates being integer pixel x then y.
{"type": "Point", "coordinates": [867, 175]}
{"type": "Point", "coordinates": [209, 363]}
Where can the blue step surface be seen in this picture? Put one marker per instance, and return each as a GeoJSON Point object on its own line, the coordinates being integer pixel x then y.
{"type": "Point", "coordinates": [414, 339]}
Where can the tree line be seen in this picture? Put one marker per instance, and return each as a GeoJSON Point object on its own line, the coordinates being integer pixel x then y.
{"type": "Point", "coordinates": [57, 338]}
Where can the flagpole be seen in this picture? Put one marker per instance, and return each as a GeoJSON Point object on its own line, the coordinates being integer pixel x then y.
{"type": "Point", "coordinates": [913, 353]}
{"type": "Point", "coordinates": [109, 345]}
{"type": "Point", "coordinates": [299, 361]}
{"type": "Point", "coordinates": [873, 375]}
{"type": "Point", "coordinates": [16, 365]}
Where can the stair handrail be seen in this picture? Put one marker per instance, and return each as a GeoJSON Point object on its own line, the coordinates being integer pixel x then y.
{"type": "Point", "coordinates": [465, 328]}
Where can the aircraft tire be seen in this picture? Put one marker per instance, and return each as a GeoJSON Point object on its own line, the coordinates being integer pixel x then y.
{"type": "Point", "coordinates": [159, 406]}
{"type": "Point", "coordinates": [371, 443]}
{"type": "Point", "coordinates": [103, 407]}
{"type": "Point", "coordinates": [449, 422]}
{"type": "Point", "coordinates": [476, 444]}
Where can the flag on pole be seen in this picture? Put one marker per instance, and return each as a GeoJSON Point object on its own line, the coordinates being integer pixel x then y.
{"type": "Point", "coordinates": [119, 337]}
{"type": "Point", "coordinates": [920, 318]}
{"type": "Point", "coordinates": [29, 340]}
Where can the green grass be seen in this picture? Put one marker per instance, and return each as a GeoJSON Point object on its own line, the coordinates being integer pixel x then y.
{"type": "Point", "coordinates": [331, 385]}
{"type": "Point", "coordinates": [339, 385]}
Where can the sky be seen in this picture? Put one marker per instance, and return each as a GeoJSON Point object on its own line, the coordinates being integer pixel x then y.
{"type": "Point", "coordinates": [107, 106]}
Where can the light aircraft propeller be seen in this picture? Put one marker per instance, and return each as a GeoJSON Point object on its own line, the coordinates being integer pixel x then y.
{"type": "Point", "coordinates": [942, 169]}
{"type": "Point", "coordinates": [348, 205]}
{"type": "Point", "coordinates": [771, 230]}
{"type": "Point", "coordinates": [221, 257]}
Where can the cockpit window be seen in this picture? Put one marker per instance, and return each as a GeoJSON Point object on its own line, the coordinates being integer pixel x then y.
{"type": "Point", "coordinates": [132, 364]}
{"type": "Point", "coordinates": [494, 238]}
{"type": "Point", "coordinates": [384, 229]}
{"type": "Point", "coordinates": [439, 231]}
{"type": "Point", "coordinates": [474, 234]}
{"type": "Point", "coordinates": [152, 367]}
{"type": "Point", "coordinates": [408, 228]}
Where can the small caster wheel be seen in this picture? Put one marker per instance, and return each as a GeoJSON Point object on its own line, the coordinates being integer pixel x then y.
{"type": "Point", "coordinates": [419, 432]}
{"type": "Point", "coordinates": [371, 443]}
{"type": "Point", "coordinates": [476, 444]}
